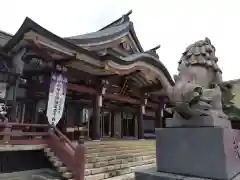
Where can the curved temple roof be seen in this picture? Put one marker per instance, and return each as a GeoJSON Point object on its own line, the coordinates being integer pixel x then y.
{"type": "Point", "coordinates": [103, 35]}
{"type": "Point", "coordinates": [118, 29]}
{"type": "Point", "coordinates": [142, 61]}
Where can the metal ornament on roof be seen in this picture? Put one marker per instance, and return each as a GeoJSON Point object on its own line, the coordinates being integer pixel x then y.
{"type": "Point", "coordinates": [56, 98]}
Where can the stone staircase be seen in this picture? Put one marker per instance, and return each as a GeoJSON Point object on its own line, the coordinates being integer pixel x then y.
{"type": "Point", "coordinates": [116, 160]}
{"type": "Point", "coordinates": [58, 164]}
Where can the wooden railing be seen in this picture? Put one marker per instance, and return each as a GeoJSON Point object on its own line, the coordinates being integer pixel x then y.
{"type": "Point", "coordinates": [63, 137]}
{"type": "Point", "coordinates": [72, 156]}
{"type": "Point", "coordinates": [28, 134]}
{"type": "Point", "coordinates": [74, 132]}
{"type": "Point", "coordinates": [24, 134]}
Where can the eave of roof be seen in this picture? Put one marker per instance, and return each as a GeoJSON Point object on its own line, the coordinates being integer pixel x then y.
{"type": "Point", "coordinates": [6, 34]}
{"type": "Point", "coordinates": [4, 38]}
{"type": "Point", "coordinates": [149, 59]}
{"type": "Point", "coordinates": [29, 25]}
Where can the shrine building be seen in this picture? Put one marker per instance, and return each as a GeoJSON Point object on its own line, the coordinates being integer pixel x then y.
{"type": "Point", "coordinates": [116, 89]}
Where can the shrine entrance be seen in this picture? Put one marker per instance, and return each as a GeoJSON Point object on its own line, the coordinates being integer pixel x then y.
{"type": "Point", "coordinates": [105, 124]}
{"type": "Point", "coordinates": [128, 124]}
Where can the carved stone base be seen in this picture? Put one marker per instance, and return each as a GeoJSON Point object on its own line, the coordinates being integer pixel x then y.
{"type": "Point", "coordinates": [199, 152]}
{"type": "Point", "coordinates": [212, 120]}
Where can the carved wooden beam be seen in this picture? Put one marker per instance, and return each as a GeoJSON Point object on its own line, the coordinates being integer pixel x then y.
{"type": "Point", "coordinates": [116, 97]}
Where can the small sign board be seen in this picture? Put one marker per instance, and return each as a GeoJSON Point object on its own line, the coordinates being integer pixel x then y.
{"type": "Point", "coordinates": [56, 98]}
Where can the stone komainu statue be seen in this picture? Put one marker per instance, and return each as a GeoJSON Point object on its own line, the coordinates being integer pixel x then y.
{"type": "Point", "coordinates": [197, 90]}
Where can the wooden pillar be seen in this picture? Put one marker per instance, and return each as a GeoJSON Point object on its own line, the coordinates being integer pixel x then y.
{"type": "Point", "coordinates": [112, 123]}
{"type": "Point", "coordinates": [140, 113]}
{"type": "Point", "coordinates": [14, 101]}
{"type": "Point", "coordinates": [140, 123]}
{"type": "Point", "coordinates": [97, 104]}
{"type": "Point", "coordinates": [95, 125]}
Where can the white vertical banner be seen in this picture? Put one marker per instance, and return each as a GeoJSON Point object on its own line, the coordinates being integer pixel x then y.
{"type": "Point", "coordinates": [56, 98]}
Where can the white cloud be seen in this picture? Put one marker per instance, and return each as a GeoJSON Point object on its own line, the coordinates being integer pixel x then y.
{"type": "Point", "coordinates": [172, 23]}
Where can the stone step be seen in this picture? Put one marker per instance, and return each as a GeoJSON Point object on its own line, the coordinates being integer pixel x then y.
{"type": "Point", "coordinates": [54, 158]}
{"type": "Point", "coordinates": [120, 143]}
{"type": "Point", "coordinates": [49, 154]}
{"type": "Point", "coordinates": [117, 148]}
{"type": "Point", "coordinates": [47, 150]}
{"type": "Point", "coordinates": [109, 141]}
{"type": "Point", "coordinates": [121, 174]}
{"type": "Point", "coordinates": [110, 149]}
{"type": "Point", "coordinates": [118, 156]}
{"type": "Point", "coordinates": [57, 164]}
{"type": "Point", "coordinates": [118, 166]}
{"type": "Point", "coordinates": [62, 169]}
{"type": "Point", "coordinates": [119, 161]}
{"type": "Point", "coordinates": [120, 152]}
{"type": "Point", "coordinates": [67, 175]}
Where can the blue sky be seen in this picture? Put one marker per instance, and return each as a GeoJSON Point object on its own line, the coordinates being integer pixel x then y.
{"type": "Point", "coordinates": [172, 23]}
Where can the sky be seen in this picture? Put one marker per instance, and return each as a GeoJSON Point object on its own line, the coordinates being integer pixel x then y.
{"type": "Point", "coordinates": [174, 24]}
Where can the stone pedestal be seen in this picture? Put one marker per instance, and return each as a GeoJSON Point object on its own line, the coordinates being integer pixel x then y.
{"type": "Point", "coordinates": [195, 152]}
{"type": "Point", "coordinates": [201, 152]}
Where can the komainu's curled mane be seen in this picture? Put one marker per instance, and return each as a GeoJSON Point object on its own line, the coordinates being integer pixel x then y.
{"type": "Point", "coordinates": [197, 89]}
{"type": "Point", "coordinates": [201, 53]}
